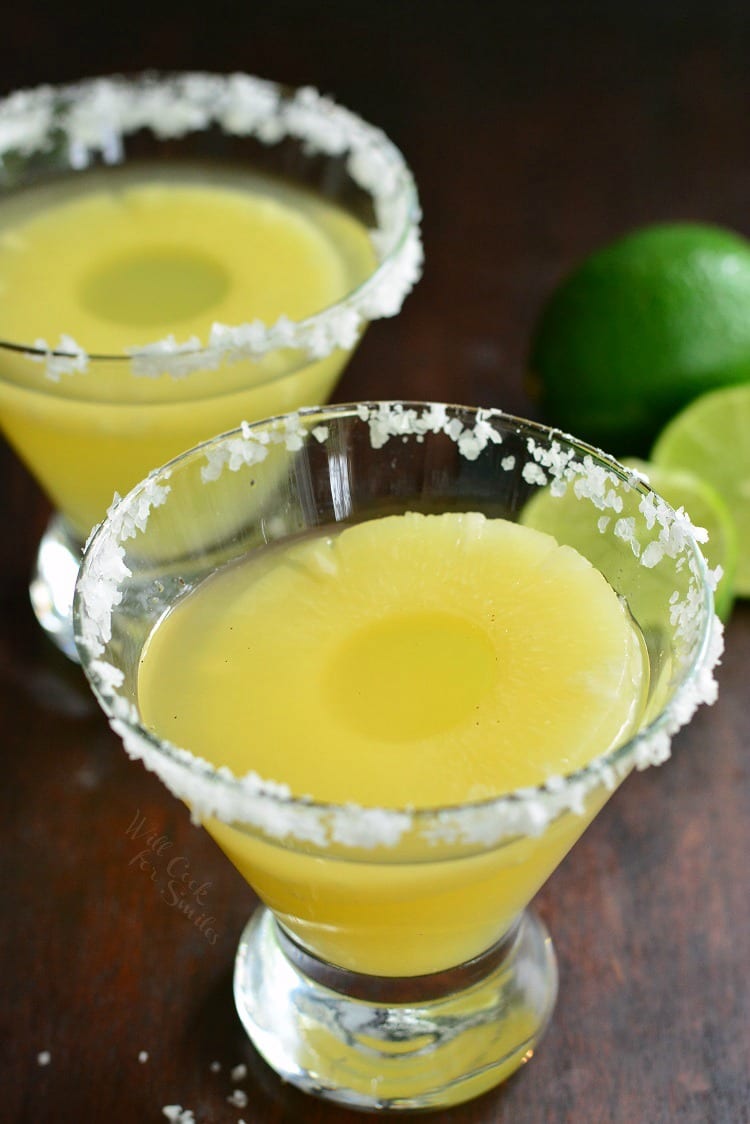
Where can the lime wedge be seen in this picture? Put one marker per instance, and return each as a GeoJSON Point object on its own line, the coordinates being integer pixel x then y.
{"type": "Point", "coordinates": [711, 438]}
{"type": "Point", "coordinates": [682, 488]}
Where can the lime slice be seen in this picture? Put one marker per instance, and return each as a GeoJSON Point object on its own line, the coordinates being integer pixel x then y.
{"type": "Point", "coordinates": [711, 437]}
{"type": "Point", "coordinates": [682, 488]}
{"type": "Point", "coordinates": [575, 521]}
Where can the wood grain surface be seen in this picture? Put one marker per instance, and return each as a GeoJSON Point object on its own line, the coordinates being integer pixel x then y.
{"type": "Point", "coordinates": [534, 136]}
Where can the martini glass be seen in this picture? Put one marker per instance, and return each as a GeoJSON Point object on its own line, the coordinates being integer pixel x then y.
{"type": "Point", "coordinates": [395, 962]}
{"type": "Point", "coordinates": [95, 395]}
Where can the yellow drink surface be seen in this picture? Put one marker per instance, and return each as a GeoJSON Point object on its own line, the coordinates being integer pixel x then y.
{"type": "Point", "coordinates": [121, 259]}
{"type": "Point", "coordinates": [410, 661]}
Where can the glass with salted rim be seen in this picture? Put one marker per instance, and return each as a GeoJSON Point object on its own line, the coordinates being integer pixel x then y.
{"type": "Point", "coordinates": [443, 890]}
{"type": "Point", "coordinates": [89, 424]}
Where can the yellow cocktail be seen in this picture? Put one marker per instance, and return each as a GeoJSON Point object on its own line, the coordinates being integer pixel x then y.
{"type": "Point", "coordinates": [397, 709]}
{"type": "Point", "coordinates": [415, 660]}
{"type": "Point", "coordinates": [178, 255]}
{"type": "Point", "coordinates": [135, 255]}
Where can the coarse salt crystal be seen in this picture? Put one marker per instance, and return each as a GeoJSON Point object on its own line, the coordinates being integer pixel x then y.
{"type": "Point", "coordinates": [178, 1115]}
{"type": "Point", "coordinates": [533, 474]}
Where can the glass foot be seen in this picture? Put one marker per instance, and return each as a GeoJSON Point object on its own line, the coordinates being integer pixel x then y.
{"type": "Point", "coordinates": [53, 584]}
{"type": "Point", "coordinates": [415, 1043]}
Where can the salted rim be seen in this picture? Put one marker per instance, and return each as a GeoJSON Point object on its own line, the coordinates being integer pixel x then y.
{"type": "Point", "coordinates": [268, 805]}
{"type": "Point", "coordinates": [94, 116]}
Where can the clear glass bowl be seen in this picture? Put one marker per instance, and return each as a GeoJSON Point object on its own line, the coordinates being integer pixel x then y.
{"type": "Point", "coordinates": [90, 424]}
{"type": "Point", "coordinates": [395, 963]}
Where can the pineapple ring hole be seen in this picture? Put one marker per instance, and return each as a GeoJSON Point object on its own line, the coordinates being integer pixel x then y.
{"type": "Point", "coordinates": [155, 286]}
{"type": "Point", "coordinates": [381, 680]}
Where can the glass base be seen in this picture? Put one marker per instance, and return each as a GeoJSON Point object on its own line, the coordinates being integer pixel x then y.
{"type": "Point", "coordinates": [379, 1044]}
{"type": "Point", "coordinates": [53, 584]}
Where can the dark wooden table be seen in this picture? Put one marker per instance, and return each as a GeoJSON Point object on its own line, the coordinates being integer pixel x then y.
{"type": "Point", "coordinates": [534, 137]}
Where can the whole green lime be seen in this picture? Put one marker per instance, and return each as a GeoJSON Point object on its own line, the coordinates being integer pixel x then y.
{"type": "Point", "coordinates": [641, 328]}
